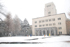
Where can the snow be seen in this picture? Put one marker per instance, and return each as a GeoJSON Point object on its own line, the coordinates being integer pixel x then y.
{"type": "Point", "coordinates": [49, 41]}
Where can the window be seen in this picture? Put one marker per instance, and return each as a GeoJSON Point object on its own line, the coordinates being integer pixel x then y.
{"type": "Point", "coordinates": [49, 19]}
{"type": "Point", "coordinates": [60, 32]}
{"type": "Point", "coordinates": [50, 24]}
{"type": "Point", "coordinates": [59, 23]}
{"type": "Point", "coordinates": [48, 5]}
{"type": "Point", "coordinates": [46, 24]}
{"type": "Point", "coordinates": [39, 21]}
{"type": "Point", "coordinates": [43, 21]}
{"type": "Point", "coordinates": [35, 21]}
{"type": "Point", "coordinates": [35, 25]}
{"type": "Point", "coordinates": [53, 19]}
{"type": "Point", "coordinates": [46, 20]}
{"type": "Point", "coordinates": [59, 18]}
{"type": "Point", "coordinates": [53, 23]}
{"type": "Point", "coordinates": [43, 32]}
{"type": "Point", "coordinates": [49, 12]}
{"type": "Point", "coordinates": [59, 27]}
{"type": "Point", "coordinates": [39, 25]}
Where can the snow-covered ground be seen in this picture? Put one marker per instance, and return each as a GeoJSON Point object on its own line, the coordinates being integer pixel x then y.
{"type": "Point", "coordinates": [49, 41]}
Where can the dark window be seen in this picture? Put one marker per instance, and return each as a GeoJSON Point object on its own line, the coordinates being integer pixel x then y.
{"type": "Point", "coordinates": [52, 32]}
{"type": "Point", "coordinates": [35, 21]}
{"type": "Point", "coordinates": [40, 33]}
{"type": "Point", "coordinates": [59, 23]}
{"type": "Point", "coordinates": [49, 12]}
{"type": "Point", "coordinates": [53, 19]}
{"type": "Point", "coordinates": [59, 18]}
{"type": "Point", "coordinates": [35, 25]}
{"type": "Point", "coordinates": [60, 32]}
{"type": "Point", "coordinates": [39, 25]}
{"type": "Point", "coordinates": [60, 28]}
{"type": "Point", "coordinates": [48, 5]}
{"type": "Point", "coordinates": [48, 32]}
{"type": "Point", "coordinates": [49, 19]}
{"type": "Point", "coordinates": [46, 24]}
{"type": "Point", "coordinates": [43, 21]}
{"type": "Point", "coordinates": [43, 32]}
{"type": "Point", "coordinates": [39, 21]}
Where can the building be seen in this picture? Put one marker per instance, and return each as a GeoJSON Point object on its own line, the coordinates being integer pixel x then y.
{"type": "Point", "coordinates": [50, 9]}
{"type": "Point", "coordinates": [68, 26]}
{"type": "Point", "coordinates": [52, 23]}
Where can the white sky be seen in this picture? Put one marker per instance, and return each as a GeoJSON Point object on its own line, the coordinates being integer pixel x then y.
{"type": "Point", "coordinates": [30, 9]}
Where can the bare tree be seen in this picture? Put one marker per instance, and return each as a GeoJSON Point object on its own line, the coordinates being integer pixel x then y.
{"type": "Point", "coordinates": [9, 22]}
{"type": "Point", "coordinates": [17, 25]}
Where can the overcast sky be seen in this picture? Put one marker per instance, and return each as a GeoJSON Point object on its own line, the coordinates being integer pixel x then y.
{"type": "Point", "coordinates": [30, 9]}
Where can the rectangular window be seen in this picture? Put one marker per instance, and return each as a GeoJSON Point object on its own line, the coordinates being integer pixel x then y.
{"type": "Point", "coordinates": [59, 18]}
{"type": "Point", "coordinates": [60, 32]}
{"type": "Point", "coordinates": [53, 19]}
{"type": "Point", "coordinates": [35, 21]}
{"type": "Point", "coordinates": [43, 21]}
{"type": "Point", "coordinates": [48, 5]}
{"type": "Point", "coordinates": [49, 12]}
{"type": "Point", "coordinates": [59, 23]}
{"type": "Point", "coordinates": [46, 24]}
{"type": "Point", "coordinates": [59, 27]}
{"type": "Point", "coordinates": [39, 25]}
{"type": "Point", "coordinates": [35, 25]}
{"type": "Point", "coordinates": [49, 19]}
{"type": "Point", "coordinates": [39, 21]}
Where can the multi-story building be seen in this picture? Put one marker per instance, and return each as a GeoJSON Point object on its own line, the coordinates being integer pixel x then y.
{"type": "Point", "coordinates": [50, 9]}
{"type": "Point", "coordinates": [68, 26]}
{"type": "Point", "coordinates": [51, 23]}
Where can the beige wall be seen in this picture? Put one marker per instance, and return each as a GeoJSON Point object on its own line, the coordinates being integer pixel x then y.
{"type": "Point", "coordinates": [68, 26]}
{"type": "Point", "coordinates": [63, 23]}
{"type": "Point", "coordinates": [50, 7]}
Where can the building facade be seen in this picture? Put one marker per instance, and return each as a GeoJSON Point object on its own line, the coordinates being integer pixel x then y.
{"type": "Point", "coordinates": [55, 24]}
{"type": "Point", "coordinates": [52, 23]}
{"type": "Point", "coordinates": [68, 26]}
{"type": "Point", "coordinates": [50, 9]}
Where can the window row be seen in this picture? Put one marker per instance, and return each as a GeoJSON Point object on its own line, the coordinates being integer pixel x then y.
{"type": "Point", "coordinates": [47, 20]}
{"type": "Point", "coordinates": [59, 23]}
{"type": "Point", "coordinates": [46, 25]}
